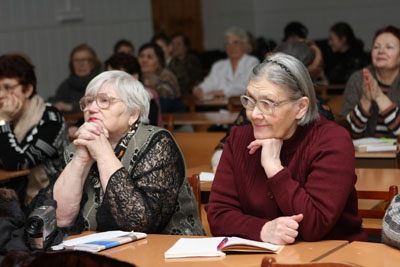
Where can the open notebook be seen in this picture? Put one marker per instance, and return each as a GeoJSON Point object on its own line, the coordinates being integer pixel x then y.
{"type": "Point", "coordinates": [217, 246]}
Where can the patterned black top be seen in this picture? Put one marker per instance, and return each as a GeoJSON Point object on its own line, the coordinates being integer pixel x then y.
{"type": "Point", "coordinates": [150, 195]}
{"type": "Point", "coordinates": [43, 144]}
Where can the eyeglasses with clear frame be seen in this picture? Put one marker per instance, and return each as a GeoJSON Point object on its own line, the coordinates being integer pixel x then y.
{"type": "Point", "coordinates": [7, 88]}
{"type": "Point", "coordinates": [103, 101]}
{"type": "Point", "coordinates": [265, 106]}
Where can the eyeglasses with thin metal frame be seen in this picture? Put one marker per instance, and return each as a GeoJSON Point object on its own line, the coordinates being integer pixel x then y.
{"type": "Point", "coordinates": [103, 101]}
{"type": "Point", "coordinates": [8, 88]}
{"type": "Point", "coordinates": [265, 106]}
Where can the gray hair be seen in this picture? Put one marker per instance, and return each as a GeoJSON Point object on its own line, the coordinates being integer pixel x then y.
{"type": "Point", "coordinates": [130, 90]}
{"type": "Point", "coordinates": [236, 31]}
{"type": "Point", "coordinates": [289, 72]}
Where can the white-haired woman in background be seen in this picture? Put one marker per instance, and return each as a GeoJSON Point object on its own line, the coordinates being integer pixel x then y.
{"type": "Point", "coordinates": [228, 77]}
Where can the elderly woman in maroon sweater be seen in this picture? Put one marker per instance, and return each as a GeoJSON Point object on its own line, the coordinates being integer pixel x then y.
{"type": "Point", "coordinates": [290, 174]}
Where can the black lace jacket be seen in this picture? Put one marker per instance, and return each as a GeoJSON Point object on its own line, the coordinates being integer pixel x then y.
{"type": "Point", "coordinates": [146, 196]}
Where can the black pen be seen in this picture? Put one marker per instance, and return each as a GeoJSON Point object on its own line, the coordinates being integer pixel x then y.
{"type": "Point", "coordinates": [222, 243]}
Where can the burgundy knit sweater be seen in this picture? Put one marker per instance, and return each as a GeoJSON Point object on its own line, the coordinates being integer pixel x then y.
{"type": "Point", "coordinates": [317, 180]}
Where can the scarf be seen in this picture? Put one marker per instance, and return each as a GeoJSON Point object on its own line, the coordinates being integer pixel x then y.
{"type": "Point", "coordinates": [29, 118]}
{"type": "Point", "coordinates": [93, 186]}
{"type": "Point", "coordinates": [37, 178]}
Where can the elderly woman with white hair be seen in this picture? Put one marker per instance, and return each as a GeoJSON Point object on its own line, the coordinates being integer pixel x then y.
{"type": "Point", "coordinates": [120, 173]}
{"type": "Point", "coordinates": [290, 173]}
{"type": "Point", "coordinates": [228, 77]}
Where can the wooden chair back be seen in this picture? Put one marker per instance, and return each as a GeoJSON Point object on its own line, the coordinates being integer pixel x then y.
{"type": "Point", "coordinates": [234, 104]}
{"type": "Point", "coordinates": [198, 147]}
{"type": "Point", "coordinates": [194, 182]}
{"type": "Point", "coordinates": [168, 120]}
{"type": "Point", "coordinates": [271, 262]}
{"type": "Point", "coordinates": [377, 212]}
{"type": "Point", "coordinates": [72, 118]}
{"type": "Point", "coordinates": [190, 103]}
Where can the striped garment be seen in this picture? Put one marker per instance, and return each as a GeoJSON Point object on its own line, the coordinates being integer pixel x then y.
{"type": "Point", "coordinates": [372, 123]}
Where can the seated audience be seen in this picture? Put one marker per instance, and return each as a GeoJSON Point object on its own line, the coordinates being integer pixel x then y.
{"type": "Point", "coordinates": [278, 179]}
{"type": "Point", "coordinates": [115, 176]}
{"type": "Point", "coordinates": [310, 55]}
{"type": "Point", "coordinates": [371, 98]}
{"type": "Point", "coordinates": [33, 133]}
{"type": "Point", "coordinates": [83, 66]}
{"type": "Point", "coordinates": [391, 224]}
{"type": "Point", "coordinates": [295, 31]}
{"type": "Point", "coordinates": [130, 64]}
{"type": "Point", "coordinates": [228, 77]}
{"type": "Point", "coordinates": [185, 65]}
{"type": "Point", "coordinates": [156, 76]}
{"type": "Point", "coordinates": [124, 46]}
{"type": "Point", "coordinates": [164, 41]}
{"type": "Point", "coordinates": [346, 56]}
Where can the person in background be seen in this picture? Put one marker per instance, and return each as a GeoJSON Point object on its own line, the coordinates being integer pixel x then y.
{"type": "Point", "coordinates": [83, 66]}
{"type": "Point", "coordinates": [278, 179]}
{"type": "Point", "coordinates": [33, 133]}
{"type": "Point", "coordinates": [391, 224]}
{"type": "Point", "coordinates": [164, 41]}
{"type": "Point", "coordinates": [310, 55]}
{"type": "Point", "coordinates": [115, 176]}
{"type": "Point", "coordinates": [185, 65]}
{"type": "Point", "coordinates": [156, 76]}
{"type": "Point", "coordinates": [371, 98]}
{"type": "Point", "coordinates": [347, 54]}
{"type": "Point", "coordinates": [124, 46]}
{"type": "Point", "coordinates": [130, 64]}
{"type": "Point", "coordinates": [228, 77]}
{"type": "Point", "coordinates": [295, 31]}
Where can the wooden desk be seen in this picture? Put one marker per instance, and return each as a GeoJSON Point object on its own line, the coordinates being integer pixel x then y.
{"type": "Point", "coordinates": [385, 159]}
{"type": "Point", "coordinates": [366, 254]}
{"type": "Point", "coordinates": [200, 120]}
{"type": "Point", "coordinates": [377, 178]}
{"type": "Point", "coordinates": [213, 104]}
{"type": "Point", "coordinates": [193, 104]}
{"type": "Point", "coordinates": [150, 252]}
{"type": "Point", "coordinates": [6, 175]}
{"type": "Point", "coordinates": [205, 118]}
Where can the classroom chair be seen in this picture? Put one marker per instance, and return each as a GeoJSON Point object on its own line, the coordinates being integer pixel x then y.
{"type": "Point", "coordinates": [376, 214]}
{"type": "Point", "coordinates": [194, 182]}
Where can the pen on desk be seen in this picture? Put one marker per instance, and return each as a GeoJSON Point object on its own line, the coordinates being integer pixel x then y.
{"type": "Point", "coordinates": [222, 243]}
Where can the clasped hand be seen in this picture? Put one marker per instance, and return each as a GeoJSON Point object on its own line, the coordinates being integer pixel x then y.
{"type": "Point", "coordinates": [91, 141]}
{"type": "Point", "coordinates": [371, 90]}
